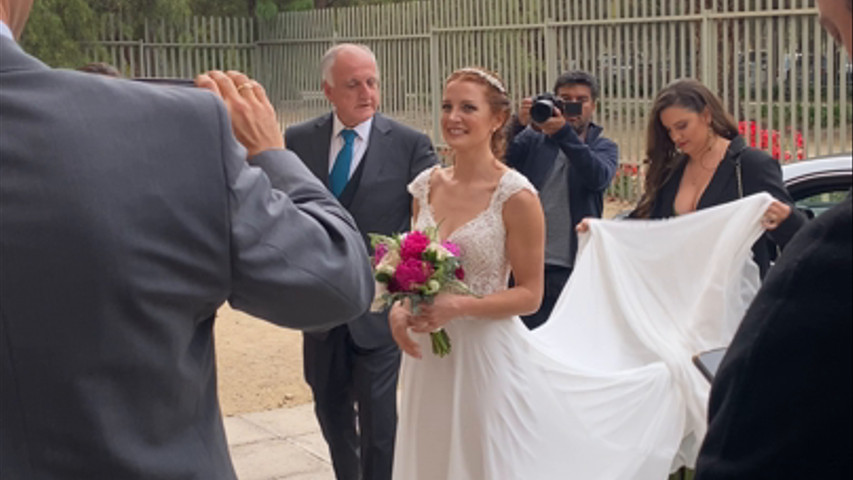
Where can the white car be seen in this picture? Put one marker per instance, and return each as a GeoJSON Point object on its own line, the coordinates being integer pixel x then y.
{"type": "Point", "coordinates": [816, 185]}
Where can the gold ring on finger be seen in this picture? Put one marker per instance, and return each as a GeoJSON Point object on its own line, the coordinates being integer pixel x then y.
{"type": "Point", "coordinates": [245, 86]}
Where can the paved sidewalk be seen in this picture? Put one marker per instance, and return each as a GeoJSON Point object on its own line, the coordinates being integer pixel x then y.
{"type": "Point", "coordinates": [278, 444]}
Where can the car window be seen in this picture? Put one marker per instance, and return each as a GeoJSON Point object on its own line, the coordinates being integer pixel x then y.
{"type": "Point", "coordinates": [815, 204]}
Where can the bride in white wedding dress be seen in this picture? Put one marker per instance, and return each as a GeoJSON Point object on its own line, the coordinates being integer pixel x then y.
{"type": "Point", "coordinates": [605, 389]}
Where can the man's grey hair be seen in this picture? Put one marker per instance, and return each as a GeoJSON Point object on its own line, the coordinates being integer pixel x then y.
{"type": "Point", "coordinates": [331, 55]}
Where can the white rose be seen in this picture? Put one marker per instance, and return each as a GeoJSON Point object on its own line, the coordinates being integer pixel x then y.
{"type": "Point", "coordinates": [432, 287]}
{"type": "Point", "coordinates": [388, 264]}
{"type": "Point", "coordinates": [441, 253]}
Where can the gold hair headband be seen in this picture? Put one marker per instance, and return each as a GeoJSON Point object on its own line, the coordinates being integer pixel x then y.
{"type": "Point", "coordinates": [485, 76]}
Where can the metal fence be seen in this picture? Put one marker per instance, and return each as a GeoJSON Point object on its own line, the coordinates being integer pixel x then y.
{"type": "Point", "coordinates": [291, 46]}
{"type": "Point", "coordinates": [158, 48]}
{"type": "Point", "coordinates": [769, 60]}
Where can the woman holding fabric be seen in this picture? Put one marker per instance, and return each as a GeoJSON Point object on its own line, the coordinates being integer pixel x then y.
{"type": "Point", "coordinates": [696, 160]}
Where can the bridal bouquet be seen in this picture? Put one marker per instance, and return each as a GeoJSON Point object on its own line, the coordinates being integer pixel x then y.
{"type": "Point", "coordinates": [416, 266]}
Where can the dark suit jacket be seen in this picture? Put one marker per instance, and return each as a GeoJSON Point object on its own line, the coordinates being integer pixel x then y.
{"type": "Point", "coordinates": [376, 196]}
{"type": "Point", "coordinates": [759, 173]}
{"type": "Point", "coordinates": [129, 215]}
{"type": "Point", "coordinates": [592, 165]}
{"type": "Point", "coordinates": [781, 402]}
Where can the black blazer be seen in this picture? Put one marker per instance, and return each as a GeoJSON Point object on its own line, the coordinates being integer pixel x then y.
{"type": "Point", "coordinates": [780, 403]}
{"type": "Point", "coordinates": [759, 173]}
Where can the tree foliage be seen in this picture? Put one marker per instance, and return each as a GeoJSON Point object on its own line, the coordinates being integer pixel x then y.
{"type": "Point", "coordinates": [56, 29]}
{"type": "Point", "coordinates": [59, 31]}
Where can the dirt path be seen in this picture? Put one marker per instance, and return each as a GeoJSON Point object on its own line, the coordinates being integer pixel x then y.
{"type": "Point", "coordinates": [260, 364]}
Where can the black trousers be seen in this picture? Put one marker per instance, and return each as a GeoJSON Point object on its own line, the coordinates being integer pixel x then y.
{"type": "Point", "coordinates": [355, 400]}
{"type": "Point", "coordinates": [555, 279]}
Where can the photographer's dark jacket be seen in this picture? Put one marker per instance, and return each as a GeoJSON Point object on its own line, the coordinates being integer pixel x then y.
{"type": "Point", "coordinates": [592, 165]}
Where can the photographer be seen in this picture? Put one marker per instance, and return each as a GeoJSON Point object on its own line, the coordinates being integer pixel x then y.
{"type": "Point", "coordinates": [568, 160]}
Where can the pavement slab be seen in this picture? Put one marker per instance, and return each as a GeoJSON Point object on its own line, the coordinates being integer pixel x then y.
{"type": "Point", "coordinates": [282, 444]}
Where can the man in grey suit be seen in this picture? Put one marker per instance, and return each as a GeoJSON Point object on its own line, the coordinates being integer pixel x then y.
{"type": "Point", "coordinates": [367, 160]}
{"type": "Point", "coordinates": [129, 215]}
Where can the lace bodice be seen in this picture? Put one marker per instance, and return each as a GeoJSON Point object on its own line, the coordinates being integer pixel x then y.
{"type": "Point", "coordinates": [482, 239]}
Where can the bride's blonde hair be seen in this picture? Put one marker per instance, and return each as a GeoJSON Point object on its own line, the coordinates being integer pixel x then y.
{"type": "Point", "coordinates": [497, 97]}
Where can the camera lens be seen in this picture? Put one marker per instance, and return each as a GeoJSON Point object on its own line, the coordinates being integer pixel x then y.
{"type": "Point", "coordinates": [542, 110]}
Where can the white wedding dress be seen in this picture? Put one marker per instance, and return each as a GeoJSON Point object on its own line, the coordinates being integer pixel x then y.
{"type": "Point", "coordinates": [605, 389]}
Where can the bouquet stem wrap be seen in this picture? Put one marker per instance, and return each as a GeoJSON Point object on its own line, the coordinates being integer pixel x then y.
{"type": "Point", "coordinates": [440, 342]}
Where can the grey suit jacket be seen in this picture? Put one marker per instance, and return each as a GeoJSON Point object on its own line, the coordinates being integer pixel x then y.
{"type": "Point", "coordinates": [128, 215]}
{"type": "Point", "coordinates": [380, 202]}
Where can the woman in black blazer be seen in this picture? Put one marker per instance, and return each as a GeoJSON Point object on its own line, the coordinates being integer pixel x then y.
{"type": "Point", "coordinates": [696, 160]}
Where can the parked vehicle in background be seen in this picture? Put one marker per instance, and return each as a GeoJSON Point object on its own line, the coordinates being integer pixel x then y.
{"type": "Point", "coordinates": [818, 184]}
{"type": "Point", "coordinates": [815, 185]}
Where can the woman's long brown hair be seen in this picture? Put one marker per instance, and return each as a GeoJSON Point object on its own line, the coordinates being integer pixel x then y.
{"type": "Point", "coordinates": [662, 157]}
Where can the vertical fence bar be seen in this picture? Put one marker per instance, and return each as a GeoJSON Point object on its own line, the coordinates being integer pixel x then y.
{"type": "Point", "coordinates": [804, 110]}
{"type": "Point", "coordinates": [792, 84]}
{"type": "Point", "coordinates": [830, 55]}
{"type": "Point", "coordinates": [637, 61]}
{"type": "Point", "coordinates": [756, 62]}
{"type": "Point", "coordinates": [848, 70]}
{"type": "Point", "coordinates": [818, 95]}
{"type": "Point", "coordinates": [737, 53]}
{"type": "Point", "coordinates": [691, 28]}
{"type": "Point", "coordinates": [434, 83]}
{"type": "Point", "coordinates": [146, 54]}
{"type": "Point", "coordinates": [768, 38]}
{"type": "Point", "coordinates": [620, 94]}
{"type": "Point", "coordinates": [781, 118]}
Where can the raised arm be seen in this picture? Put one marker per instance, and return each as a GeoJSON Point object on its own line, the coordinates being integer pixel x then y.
{"type": "Point", "coordinates": [762, 173]}
{"type": "Point", "coordinates": [298, 259]}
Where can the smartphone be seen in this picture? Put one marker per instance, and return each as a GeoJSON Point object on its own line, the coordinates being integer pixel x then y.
{"type": "Point", "coordinates": [708, 362]}
{"type": "Point", "coordinates": [174, 82]}
{"type": "Point", "coordinates": [572, 109]}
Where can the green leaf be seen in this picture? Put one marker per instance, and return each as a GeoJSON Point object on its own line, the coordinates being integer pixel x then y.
{"type": "Point", "coordinates": [382, 277]}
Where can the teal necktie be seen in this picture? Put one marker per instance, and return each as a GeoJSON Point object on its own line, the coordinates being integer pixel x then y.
{"type": "Point", "coordinates": [340, 171]}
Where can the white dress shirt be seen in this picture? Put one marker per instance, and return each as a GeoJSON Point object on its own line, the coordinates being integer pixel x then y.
{"type": "Point", "coordinates": [359, 146]}
{"type": "Point", "coordinates": [5, 31]}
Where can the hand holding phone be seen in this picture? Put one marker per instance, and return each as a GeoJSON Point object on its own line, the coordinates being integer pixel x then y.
{"type": "Point", "coordinates": [709, 361]}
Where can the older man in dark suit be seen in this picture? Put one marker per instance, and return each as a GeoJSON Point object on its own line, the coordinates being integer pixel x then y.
{"type": "Point", "coordinates": [367, 160]}
{"type": "Point", "coordinates": [129, 215]}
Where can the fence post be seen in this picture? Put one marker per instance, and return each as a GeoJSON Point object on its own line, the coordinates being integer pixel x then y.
{"type": "Point", "coordinates": [551, 53]}
{"type": "Point", "coordinates": [435, 83]}
{"type": "Point", "coordinates": [708, 49]}
{"type": "Point", "coordinates": [142, 70]}
{"type": "Point", "coordinates": [257, 67]}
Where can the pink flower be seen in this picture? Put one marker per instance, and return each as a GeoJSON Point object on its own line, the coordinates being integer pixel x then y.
{"type": "Point", "coordinates": [460, 273]}
{"type": "Point", "coordinates": [452, 248]}
{"type": "Point", "coordinates": [378, 253]}
{"type": "Point", "coordinates": [411, 272]}
{"type": "Point", "coordinates": [414, 245]}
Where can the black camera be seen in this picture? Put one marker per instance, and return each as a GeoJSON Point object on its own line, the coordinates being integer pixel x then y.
{"type": "Point", "coordinates": [544, 105]}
